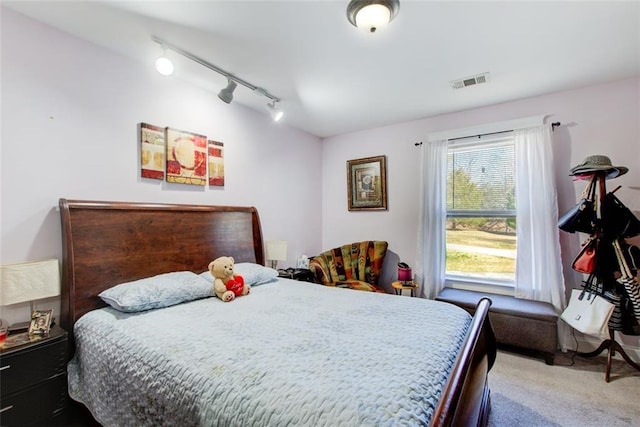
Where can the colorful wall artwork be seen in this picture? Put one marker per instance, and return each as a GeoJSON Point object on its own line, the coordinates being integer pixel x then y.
{"type": "Point", "coordinates": [186, 157]}
{"type": "Point", "coordinates": [216, 163]}
{"type": "Point", "coordinates": [151, 151]}
{"type": "Point", "coordinates": [179, 156]}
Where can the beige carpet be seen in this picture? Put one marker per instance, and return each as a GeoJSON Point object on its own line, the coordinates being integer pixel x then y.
{"type": "Point", "coordinates": [527, 392]}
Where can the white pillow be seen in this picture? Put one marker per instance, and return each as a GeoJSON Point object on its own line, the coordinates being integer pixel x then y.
{"type": "Point", "coordinates": [253, 274]}
{"type": "Point", "coordinates": [158, 291]}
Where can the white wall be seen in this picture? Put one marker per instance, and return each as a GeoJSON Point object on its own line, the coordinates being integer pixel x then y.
{"type": "Point", "coordinates": [603, 119]}
{"type": "Point", "coordinates": [70, 111]}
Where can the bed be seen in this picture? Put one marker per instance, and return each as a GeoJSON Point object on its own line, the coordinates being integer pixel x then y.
{"type": "Point", "coordinates": [290, 353]}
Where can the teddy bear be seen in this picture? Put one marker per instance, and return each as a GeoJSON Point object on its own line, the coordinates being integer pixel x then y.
{"type": "Point", "coordinates": [226, 284]}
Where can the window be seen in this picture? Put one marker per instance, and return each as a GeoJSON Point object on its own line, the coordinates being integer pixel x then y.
{"type": "Point", "coordinates": [481, 210]}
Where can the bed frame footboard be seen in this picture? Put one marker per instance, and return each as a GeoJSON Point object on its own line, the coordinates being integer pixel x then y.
{"type": "Point", "coordinates": [465, 398]}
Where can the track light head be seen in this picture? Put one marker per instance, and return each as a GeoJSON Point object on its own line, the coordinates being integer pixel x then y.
{"type": "Point", "coordinates": [164, 65]}
{"type": "Point", "coordinates": [276, 113]}
{"type": "Point", "coordinates": [226, 94]}
{"type": "Point", "coordinates": [370, 15]}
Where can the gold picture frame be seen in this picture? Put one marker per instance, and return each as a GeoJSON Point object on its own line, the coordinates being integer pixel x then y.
{"type": "Point", "coordinates": [367, 183]}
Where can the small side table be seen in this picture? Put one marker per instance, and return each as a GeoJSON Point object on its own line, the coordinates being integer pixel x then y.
{"type": "Point", "coordinates": [400, 286]}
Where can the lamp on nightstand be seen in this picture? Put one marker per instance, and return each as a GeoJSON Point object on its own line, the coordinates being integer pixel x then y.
{"type": "Point", "coordinates": [276, 251]}
{"type": "Point", "coordinates": [28, 282]}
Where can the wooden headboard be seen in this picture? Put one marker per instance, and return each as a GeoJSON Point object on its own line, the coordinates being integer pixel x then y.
{"type": "Point", "coordinates": [107, 243]}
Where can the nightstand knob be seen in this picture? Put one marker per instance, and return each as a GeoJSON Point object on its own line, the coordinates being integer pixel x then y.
{"type": "Point", "coordinates": [5, 367]}
{"type": "Point", "coordinates": [6, 409]}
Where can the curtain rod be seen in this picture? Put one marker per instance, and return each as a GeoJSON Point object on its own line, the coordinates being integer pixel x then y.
{"type": "Point", "coordinates": [554, 125]}
{"type": "Point", "coordinates": [480, 135]}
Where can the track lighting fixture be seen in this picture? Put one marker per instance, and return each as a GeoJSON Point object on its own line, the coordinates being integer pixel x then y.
{"type": "Point", "coordinates": [164, 64]}
{"type": "Point", "coordinates": [371, 15]}
{"type": "Point", "coordinates": [276, 113]}
{"type": "Point", "coordinates": [225, 94]}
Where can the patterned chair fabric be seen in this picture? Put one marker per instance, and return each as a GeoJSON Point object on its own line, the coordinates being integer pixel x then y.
{"type": "Point", "coordinates": [354, 266]}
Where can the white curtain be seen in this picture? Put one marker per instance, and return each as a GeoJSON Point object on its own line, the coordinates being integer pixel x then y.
{"type": "Point", "coordinates": [430, 263]}
{"type": "Point", "coordinates": [538, 264]}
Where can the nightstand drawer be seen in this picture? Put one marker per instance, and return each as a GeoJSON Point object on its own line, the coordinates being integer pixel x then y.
{"type": "Point", "coordinates": [35, 405]}
{"type": "Point", "coordinates": [32, 366]}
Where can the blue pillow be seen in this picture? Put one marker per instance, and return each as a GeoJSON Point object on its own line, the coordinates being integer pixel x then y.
{"type": "Point", "coordinates": [253, 274]}
{"type": "Point", "coordinates": [159, 291]}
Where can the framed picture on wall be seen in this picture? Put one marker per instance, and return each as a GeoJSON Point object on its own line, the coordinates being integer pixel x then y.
{"type": "Point", "coordinates": [367, 183]}
{"type": "Point", "coordinates": [216, 163]}
{"type": "Point", "coordinates": [186, 157]}
{"type": "Point", "coordinates": [152, 148]}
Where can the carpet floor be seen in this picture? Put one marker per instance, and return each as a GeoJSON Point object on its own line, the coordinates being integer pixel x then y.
{"type": "Point", "coordinates": [527, 392]}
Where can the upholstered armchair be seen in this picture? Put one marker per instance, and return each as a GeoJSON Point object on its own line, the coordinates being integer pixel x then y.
{"type": "Point", "coordinates": [354, 266]}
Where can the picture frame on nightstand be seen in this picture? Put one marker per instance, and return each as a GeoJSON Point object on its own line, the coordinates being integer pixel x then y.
{"type": "Point", "coordinates": [40, 322]}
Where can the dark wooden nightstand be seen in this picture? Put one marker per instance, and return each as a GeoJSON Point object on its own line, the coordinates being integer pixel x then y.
{"type": "Point", "coordinates": [33, 381]}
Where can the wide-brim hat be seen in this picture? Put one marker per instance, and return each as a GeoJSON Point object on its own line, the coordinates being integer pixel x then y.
{"type": "Point", "coordinates": [598, 163]}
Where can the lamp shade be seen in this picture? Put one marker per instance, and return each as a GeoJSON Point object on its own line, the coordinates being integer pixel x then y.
{"type": "Point", "coordinates": [277, 250]}
{"type": "Point", "coordinates": [29, 281]}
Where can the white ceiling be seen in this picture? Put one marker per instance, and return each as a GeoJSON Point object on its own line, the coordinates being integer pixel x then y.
{"type": "Point", "coordinates": [335, 79]}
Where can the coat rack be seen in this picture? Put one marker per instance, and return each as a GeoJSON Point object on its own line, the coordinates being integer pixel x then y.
{"type": "Point", "coordinates": [610, 344]}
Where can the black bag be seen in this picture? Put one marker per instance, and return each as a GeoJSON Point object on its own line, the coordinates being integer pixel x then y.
{"type": "Point", "coordinates": [622, 319]}
{"type": "Point", "coordinates": [300, 274]}
{"type": "Point", "coordinates": [628, 278]}
{"type": "Point", "coordinates": [617, 219]}
{"type": "Point", "coordinates": [582, 217]}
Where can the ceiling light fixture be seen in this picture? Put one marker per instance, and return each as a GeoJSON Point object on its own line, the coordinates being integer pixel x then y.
{"type": "Point", "coordinates": [276, 113]}
{"type": "Point", "coordinates": [225, 94]}
{"type": "Point", "coordinates": [371, 15]}
{"type": "Point", "coordinates": [164, 64]}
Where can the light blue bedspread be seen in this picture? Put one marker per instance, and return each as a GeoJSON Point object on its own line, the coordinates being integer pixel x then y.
{"type": "Point", "coordinates": [289, 354]}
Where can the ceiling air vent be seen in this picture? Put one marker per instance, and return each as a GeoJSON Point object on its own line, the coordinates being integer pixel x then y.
{"type": "Point", "coordinates": [470, 81]}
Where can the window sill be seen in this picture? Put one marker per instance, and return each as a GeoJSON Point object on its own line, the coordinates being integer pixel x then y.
{"type": "Point", "coordinates": [499, 288]}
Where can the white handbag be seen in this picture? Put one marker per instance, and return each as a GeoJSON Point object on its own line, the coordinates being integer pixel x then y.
{"type": "Point", "coordinates": [588, 313]}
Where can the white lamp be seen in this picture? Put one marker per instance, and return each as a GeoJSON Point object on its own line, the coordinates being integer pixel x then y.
{"type": "Point", "coordinates": [28, 282]}
{"type": "Point", "coordinates": [276, 251]}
